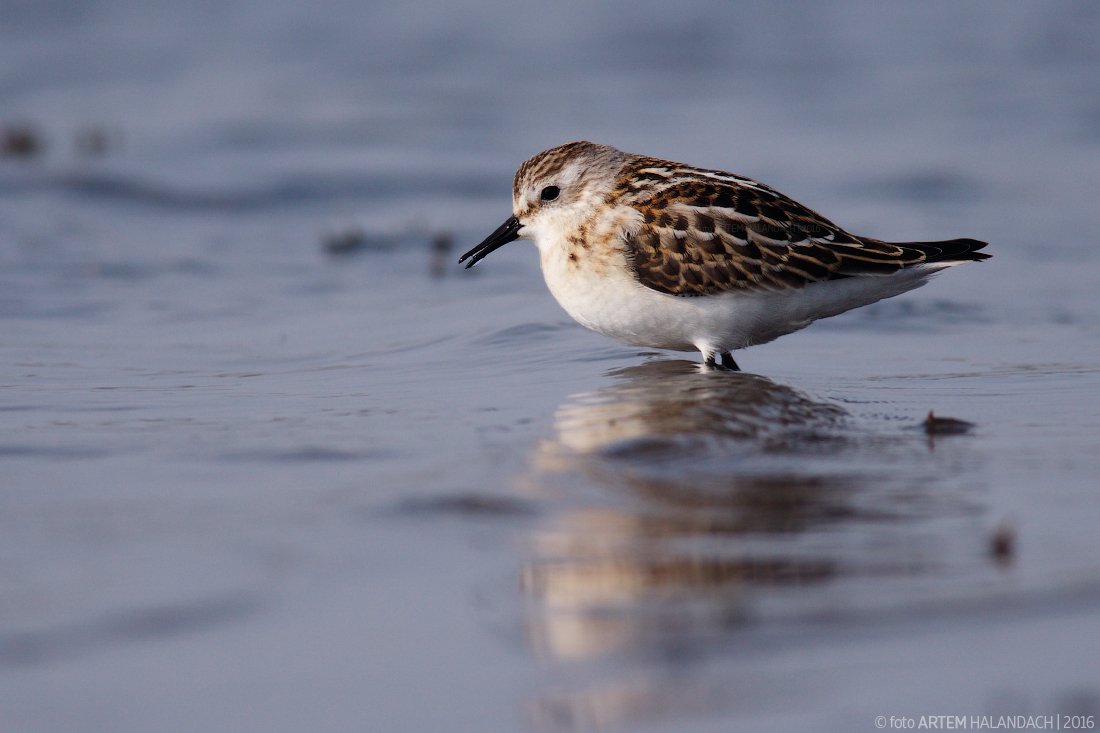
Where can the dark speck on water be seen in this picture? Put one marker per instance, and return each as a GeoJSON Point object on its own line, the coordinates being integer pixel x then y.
{"type": "Point", "coordinates": [347, 241]}
{"type": "Point", "coordinates": [20, 141]}
{"type": "Point", "coordinates": [1002, 544]}
{"type": "Point", "coordinates": [467, 505]}
{"type": "Point", "coordinates": [935, 425]}
{"type": "Point", "coordinates": [273, 461]}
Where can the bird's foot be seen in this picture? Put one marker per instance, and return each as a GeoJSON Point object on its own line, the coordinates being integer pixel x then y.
{"type": "Point", "coordinates": [727, 364]}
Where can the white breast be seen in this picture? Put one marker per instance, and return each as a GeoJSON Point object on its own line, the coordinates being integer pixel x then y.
{"type": "Point", "coordinates": [596, 286]}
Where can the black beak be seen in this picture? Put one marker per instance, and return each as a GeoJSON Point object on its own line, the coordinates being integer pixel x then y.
{"type": "Point", "coordinates": [505, 233]}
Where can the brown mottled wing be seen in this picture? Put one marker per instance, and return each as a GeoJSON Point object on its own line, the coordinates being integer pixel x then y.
{"type": "Point", "coordinates": [704, 236]}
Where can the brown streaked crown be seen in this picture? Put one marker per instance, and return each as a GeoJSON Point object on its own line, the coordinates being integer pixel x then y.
{"type": "Point", "coordinates": [549, 163]}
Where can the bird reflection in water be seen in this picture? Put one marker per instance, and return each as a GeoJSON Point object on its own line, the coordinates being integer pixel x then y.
{"type": "Point", "coordinates": [694, 503]}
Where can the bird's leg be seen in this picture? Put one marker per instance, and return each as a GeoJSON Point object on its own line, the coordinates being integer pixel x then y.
{"type": "Point", "coordinates": [710, 359]}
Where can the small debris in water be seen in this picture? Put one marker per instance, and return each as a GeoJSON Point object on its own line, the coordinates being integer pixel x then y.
{"type": "Point", "coordinates": [20, 141]}
{"type": "Point", "coordinates": [946, 425]}
{"type": "Point", "coordinates": [344, 242]}
{"type": "Point", "coordinates": [94, 141]}
{"type": "Point", "coordinates": [469, 505]}
{"type": "Point", "coordinates": [442, 244]}
{"type": "Point", "coordinates": [1002, 544]}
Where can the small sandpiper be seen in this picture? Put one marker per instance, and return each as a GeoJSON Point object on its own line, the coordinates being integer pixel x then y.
{"type": "Point", "coordinates": [670, 256]}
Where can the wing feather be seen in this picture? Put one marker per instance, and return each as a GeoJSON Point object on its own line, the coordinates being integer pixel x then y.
{"type": "Point", "coordinates": [707, 232]}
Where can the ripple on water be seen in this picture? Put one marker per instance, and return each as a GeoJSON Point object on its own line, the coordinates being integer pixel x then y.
{"type": "Point", "coordinates": [123, 627]}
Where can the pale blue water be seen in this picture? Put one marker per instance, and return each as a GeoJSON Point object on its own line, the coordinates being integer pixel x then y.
{"type": "Point", "coordinates": [246, 484]}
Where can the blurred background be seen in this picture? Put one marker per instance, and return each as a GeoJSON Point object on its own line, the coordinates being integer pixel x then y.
{"type": "Point", "coordinates": [271, 460]}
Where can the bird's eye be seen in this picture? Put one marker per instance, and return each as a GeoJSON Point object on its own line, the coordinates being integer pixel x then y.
{"type": "Point", "coordinates": [549, 193]}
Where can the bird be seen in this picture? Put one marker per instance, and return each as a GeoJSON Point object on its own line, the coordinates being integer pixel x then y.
{"type": "Point", "coordinates": [672, 256]}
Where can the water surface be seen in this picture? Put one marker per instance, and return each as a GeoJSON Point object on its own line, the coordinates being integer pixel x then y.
{"type": "Point", "coordinates": [252, 483]}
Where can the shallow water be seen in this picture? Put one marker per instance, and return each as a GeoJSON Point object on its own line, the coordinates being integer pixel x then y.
{"type": "Point", "coordinates": [250, 483]}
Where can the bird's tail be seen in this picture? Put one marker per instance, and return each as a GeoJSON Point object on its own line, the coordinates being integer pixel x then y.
{"type": "Point", "coordinates": [949, 251]}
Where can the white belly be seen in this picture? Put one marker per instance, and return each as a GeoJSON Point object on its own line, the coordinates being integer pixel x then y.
{"type": "Point", "coordinates": [600, 292]}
